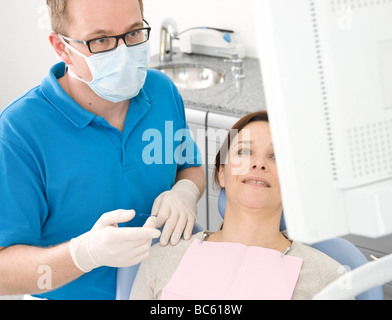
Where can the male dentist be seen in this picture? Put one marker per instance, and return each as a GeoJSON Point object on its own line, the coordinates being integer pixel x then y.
{"type": "Point", "coordinates": [71, 159]}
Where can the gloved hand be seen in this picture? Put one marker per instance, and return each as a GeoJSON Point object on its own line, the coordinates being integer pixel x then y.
{"type": "Point", "coordinates": [176, 209]}
{"type": "Point", "coordinates": [108, 245]}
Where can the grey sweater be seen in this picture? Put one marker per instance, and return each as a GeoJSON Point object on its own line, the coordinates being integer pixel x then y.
{"type": "Point", "coordinates": [154, 273]}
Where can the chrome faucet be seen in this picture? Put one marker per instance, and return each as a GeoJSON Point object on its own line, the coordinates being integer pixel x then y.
{"type": "Point", "coordinates": [169, 31]}
{"type": "Point", "coordinates": [237, 71]}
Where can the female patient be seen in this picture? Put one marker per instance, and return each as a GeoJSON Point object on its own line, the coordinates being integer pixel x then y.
{"type": "Point", "coordinates": [245, 167]}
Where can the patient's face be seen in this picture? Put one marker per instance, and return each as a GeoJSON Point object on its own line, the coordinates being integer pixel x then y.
{"type": "Point", "coordinates": [250, 176]}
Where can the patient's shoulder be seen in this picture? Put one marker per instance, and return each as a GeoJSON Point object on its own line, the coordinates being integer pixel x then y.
{"type": "Point", "coordinates": [318, 270]}
{"type": "Point", "coordinates": [312, 255]}
{"type": "Point", "coordinates": [316, 259]}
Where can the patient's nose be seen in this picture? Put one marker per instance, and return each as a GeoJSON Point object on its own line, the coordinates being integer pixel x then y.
{"type": "Point", "coordinates": [262, 167]}
{"type": "Point", "coordinates": [259, 165]}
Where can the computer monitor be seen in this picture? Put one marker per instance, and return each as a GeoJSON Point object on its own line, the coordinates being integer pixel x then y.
{"type": "Point", "coordinates": [327, 76]}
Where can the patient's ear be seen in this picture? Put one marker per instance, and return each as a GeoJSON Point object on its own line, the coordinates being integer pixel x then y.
{"type": "Point", "coordinates": [221, 176]}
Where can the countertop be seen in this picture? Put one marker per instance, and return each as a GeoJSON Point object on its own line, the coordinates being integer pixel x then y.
{"type": "Point", "coordinates": [223, 97]}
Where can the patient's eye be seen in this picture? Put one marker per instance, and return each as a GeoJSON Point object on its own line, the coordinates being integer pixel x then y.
{"type": "Point", "coordinates": [273, 156]}
{"type": "Point", "coordinates": [244, 152]}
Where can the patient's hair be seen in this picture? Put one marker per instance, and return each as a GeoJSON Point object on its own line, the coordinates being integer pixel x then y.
{"type": "Point", "coordinates": [238, 126]}
{"type": "Point", "coordinates": [59, 16]}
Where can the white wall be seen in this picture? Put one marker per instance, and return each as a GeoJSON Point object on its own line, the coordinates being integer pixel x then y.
{"type": "Point", "coordinates": [26, 55]}
{"type": "Point", "coordinates": [25, 52]}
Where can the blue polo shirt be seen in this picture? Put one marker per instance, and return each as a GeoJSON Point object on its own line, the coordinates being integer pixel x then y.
{"type": "Point", "coordinates": [62, 167]}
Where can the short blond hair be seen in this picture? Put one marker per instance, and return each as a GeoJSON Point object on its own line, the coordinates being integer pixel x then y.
{"type": "Point", "coordinates": [59, 17]}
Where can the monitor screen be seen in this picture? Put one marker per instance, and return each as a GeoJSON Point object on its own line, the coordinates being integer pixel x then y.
{"type": "Point", "coordinates": [327, 76]}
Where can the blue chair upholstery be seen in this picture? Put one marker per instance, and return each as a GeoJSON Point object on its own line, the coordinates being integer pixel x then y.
{"type": "Point", "coordinates": [126, 276]}
{"type": "Point", "coordinates": [338, 249]}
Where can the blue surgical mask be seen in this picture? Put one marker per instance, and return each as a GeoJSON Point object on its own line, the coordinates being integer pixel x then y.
{"type": "Point", "coordinates": [118, 75]}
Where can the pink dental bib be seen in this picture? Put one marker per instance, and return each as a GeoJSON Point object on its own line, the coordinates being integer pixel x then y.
{"type": "Point", "coordinates": [232, 271]}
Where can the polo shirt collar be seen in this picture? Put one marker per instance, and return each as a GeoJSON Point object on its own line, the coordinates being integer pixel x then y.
{"type": "Point", "coordinates": [55, 94]}
{"type": "Point", "coordinates": [77, 115]}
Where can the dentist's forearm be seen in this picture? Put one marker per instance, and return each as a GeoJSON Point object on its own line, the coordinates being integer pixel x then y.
{"type": "Point", "coordinates": [33, 270]}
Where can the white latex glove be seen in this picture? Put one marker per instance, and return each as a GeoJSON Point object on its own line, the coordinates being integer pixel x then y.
{"type": "Point", "coordinates": [176, 209]}
{"type": "Point", "coordinates": [108, 245]}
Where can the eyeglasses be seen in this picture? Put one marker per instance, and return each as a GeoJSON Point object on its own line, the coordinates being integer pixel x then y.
{"type": "Point", "coordinates": [104, 44]}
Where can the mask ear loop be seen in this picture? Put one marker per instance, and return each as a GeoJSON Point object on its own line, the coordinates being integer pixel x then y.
{"type": "Point", "coordinates": [73, 75]}
{"type": "Point", "coordinates": [72, 48]}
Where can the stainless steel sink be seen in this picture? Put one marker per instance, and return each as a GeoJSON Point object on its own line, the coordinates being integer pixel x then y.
{"type": "Point", "coordinates": [192, 77]}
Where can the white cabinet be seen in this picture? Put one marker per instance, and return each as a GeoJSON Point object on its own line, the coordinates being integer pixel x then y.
{"type": "Point", "coordinates": [209, 130]}
{"type": "Point", "coordinates": [197, 122]}
{"type": "Point", "coordinates": [218, 126]}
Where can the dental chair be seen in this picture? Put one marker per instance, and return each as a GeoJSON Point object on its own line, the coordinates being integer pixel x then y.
{"type": "Point", "coordinates": [338, 249]}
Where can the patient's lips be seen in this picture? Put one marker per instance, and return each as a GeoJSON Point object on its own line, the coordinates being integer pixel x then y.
{"type": "Point", "coordinates": [257, 181]}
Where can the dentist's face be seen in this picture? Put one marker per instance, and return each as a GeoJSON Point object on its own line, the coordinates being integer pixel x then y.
{"type": "Point", "coordinates": [250, 176]}
{"type": "Point", "coordinates": [91, 19]}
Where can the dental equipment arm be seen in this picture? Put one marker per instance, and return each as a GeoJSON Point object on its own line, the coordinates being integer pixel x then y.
{"type": "Point", "coordinates": [349, 285]}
